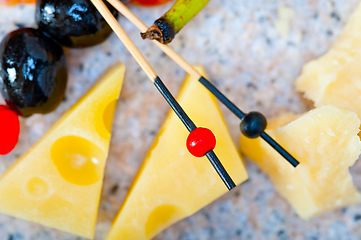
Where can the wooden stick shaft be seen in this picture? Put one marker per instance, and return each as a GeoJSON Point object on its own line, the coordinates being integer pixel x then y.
{"type": "Point", "coordinates": [166, 49]}
{"type": "Point", "coordinates": [113, 23]}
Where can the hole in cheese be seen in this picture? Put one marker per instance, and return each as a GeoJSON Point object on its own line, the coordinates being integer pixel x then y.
{"type": "Point", "coordinates": [108, 116]}
{"type": "Point", "coordinates": [77, 160]}
{"type": "Point", "coordinates": [104, 121]}
{"type": "Point", "coordinates": [55, 207]}
{"type": "Point", "coordinates": [37, 187]}
{"type": "Point", "coordinates": [160, 218]}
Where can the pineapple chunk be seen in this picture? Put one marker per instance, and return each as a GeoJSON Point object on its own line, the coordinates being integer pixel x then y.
{"type": "Point", "coordinates": [172, 184]}
{"type": "Point", "coordinates": [325, 142]}
{"type": "Point", "coordinates": [58, 182]}
{"type": "Point", "coordinates": [335, 77]}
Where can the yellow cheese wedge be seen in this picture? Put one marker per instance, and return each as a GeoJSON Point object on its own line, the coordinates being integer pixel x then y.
{"type": "Point", "coordinates": [58, 182]}
{"type": "Point", "coordinates": [325, 142]}
{"type": "Point", "coordinates": [172, 184]}
{"type": "Point", "coordinates": [335, 77]}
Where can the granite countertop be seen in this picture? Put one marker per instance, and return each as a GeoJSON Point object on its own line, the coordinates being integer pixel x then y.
{"type": "Point", "coordinates": [253, 51]}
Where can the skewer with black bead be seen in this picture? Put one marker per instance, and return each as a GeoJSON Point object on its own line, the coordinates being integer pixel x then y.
{"type": "Point", "coordinates": [252, 125]}
{"type": "Point", "coordinates": [200, 141]}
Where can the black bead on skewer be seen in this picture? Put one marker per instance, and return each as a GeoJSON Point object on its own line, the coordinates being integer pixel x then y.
{"type": "Point", "coordinates": [212, 157]}
{"type": "Point", "coordinates": [252, 124]}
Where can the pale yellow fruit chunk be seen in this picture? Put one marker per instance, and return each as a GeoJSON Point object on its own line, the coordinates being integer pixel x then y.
{"type": "Point", "coordinates": [172, 184]}
{"type": "Point", "coordinates": [335, 77]}
{"type": "Point", "coordinates": [58, 182]}
{"type": "Point", "coordinates": [326, 144]}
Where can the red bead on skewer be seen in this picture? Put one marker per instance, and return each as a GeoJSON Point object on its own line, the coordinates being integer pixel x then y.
{"type": "Point", "coordinates": [9, 129]}
{"type": "Point", "coordinates": [200, 141]}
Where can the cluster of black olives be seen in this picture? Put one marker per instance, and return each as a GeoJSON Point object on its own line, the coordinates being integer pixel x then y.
{"type": "Point", "coordinates": [33, 71]}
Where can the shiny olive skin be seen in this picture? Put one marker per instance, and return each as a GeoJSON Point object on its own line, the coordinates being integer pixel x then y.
{"type": "Point", "coordinates": [33, 72]}
{"type": "Point", "coordinates": [73, 23]}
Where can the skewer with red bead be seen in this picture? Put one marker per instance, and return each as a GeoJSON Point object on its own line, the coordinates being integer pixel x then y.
{"type": "Point", "coordinates": [201, 141]}
{"type": "Point", "coordinates": [252, 124]}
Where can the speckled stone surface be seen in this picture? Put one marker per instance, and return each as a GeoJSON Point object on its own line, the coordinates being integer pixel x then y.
{"type": "Point", "coordinates": [251, 62]}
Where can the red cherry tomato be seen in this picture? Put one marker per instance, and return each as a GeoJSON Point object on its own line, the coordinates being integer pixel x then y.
{"type": "Point", "coordinates": [148, 3]}
{"type": "Point", "coordinates": [200, 141]}
{"type": "Point", "coordinates": [9, 129]}
{"type": "Point", "coordinates": [3, 107]}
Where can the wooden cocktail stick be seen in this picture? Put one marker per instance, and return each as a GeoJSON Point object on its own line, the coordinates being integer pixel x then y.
{"type": "Point", "coordinates": [113, 23]}
{"type": "Point", "coordinates": [194, 73]}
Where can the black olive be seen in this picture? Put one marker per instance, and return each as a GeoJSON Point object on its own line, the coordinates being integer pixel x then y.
{"type": "Point", "coordinates": [33, 73]}
{"type": "Point", "coordinates": [73, 23]}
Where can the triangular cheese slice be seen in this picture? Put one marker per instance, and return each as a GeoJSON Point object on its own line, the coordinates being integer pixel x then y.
{"type": "Point", "coordinates": [58, 182]}
{"type": "Point", "coordinates": [172, 184]}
